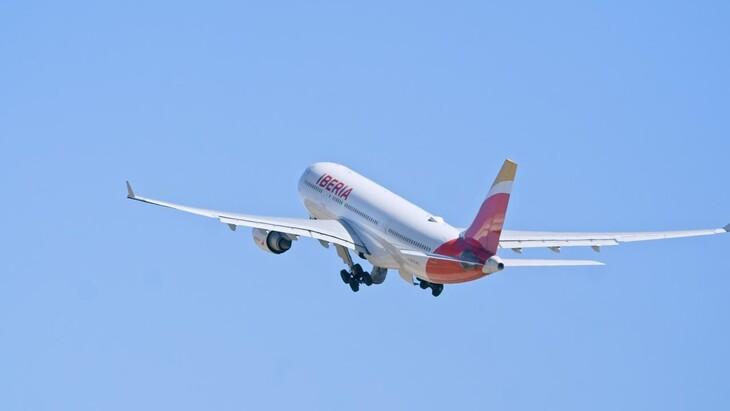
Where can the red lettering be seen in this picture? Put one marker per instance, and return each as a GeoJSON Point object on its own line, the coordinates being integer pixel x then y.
{"type": "Point", "coordinates": [325, 180]}
{"type": "Point", "coordinates": [331, 184]}
{"type": "Point", "coordinates": [346, 194]}
{"type": "Point", "coordinates": [337, 188]}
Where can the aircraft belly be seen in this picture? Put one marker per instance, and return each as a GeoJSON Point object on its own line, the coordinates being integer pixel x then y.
{"type": "Point", "coordinates": [449, 272]}
{"type": "Point", "coordinates": [416, 266]}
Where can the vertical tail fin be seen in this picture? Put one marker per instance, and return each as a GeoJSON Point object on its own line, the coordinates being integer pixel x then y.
{"type": "Point", "coordinates": [487, 226]}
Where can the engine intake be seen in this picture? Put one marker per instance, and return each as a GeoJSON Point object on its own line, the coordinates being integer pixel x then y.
{"type": "Point", "coordinates": [271, 241]}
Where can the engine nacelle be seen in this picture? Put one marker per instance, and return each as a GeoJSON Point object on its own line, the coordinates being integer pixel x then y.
{"type": "Point", "coordinates": [492, 265]}
{"type": "Point", "coordinates": [271, 241]}
{"type": "Point", "coordinates": [378, 274]}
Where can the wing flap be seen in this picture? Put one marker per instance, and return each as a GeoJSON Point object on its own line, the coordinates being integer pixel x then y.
{"type": "Point", "coordinates": [326, 230]}
{"type": "Point", "coordinates": [548, 243]}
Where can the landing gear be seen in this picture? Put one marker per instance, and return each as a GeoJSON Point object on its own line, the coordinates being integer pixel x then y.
{"type": "Point", "coordinates": [345, 276]}
{"type": "Point", "coordinates": [436, 289]}
{"type": "Point", "coordinates": [354, 284]}
{"type": "Point", "coordinates": [356, 277]}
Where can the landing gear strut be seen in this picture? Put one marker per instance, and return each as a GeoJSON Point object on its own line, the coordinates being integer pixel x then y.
{"type": "Point", "coordinates": [436, 289]}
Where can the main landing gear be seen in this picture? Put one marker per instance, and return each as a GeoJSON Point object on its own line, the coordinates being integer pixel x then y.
{"type": "Point", "coordinates": [356, 277]}
{"type": "Point", "coordinates": [436, 289]}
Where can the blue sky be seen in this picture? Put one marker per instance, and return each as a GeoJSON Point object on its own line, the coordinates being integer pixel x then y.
{"type": "Point", "coordinates": [617, 113]}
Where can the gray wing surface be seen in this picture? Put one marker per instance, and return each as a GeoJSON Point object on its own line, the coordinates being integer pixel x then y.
{"type": "Point", "coordinates": [549, 239]}
{"type": "Point", "coordinates": [331, 231]}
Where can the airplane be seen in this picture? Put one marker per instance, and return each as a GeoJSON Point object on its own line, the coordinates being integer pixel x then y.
{"type": "Point", "coordinates": [354, 214]}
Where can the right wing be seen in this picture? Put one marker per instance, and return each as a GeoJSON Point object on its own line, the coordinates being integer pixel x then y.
{"type": "Point", "coordinates": [554, 240]}
{"type": "Point", "coordinates": [332, 231]}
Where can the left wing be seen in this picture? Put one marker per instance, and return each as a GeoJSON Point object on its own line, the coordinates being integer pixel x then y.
{"type": "Point", "coordinates": [554, 240]}
{"type": "Point", "coordinates": [331, 231]}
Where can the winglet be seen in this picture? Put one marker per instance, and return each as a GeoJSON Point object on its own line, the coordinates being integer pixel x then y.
{"type": "Point", "coordinates": [727, 228]}
{"type": "Point", "coordinates": [130, 192]}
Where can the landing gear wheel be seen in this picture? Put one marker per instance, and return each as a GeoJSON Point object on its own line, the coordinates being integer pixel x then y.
{"type": "Point", "coordinates": [367, 279]}
{"type": "Point", "coordinates": [423, 284]}
{"type": "Point", "coordinates": [354, 284]}
{"type": "Point", "coordinates": [357, 271]}
{"type": "Point", "coordinates": [436, 289]}
{"type": "Point", "coordinates": [345, 276]}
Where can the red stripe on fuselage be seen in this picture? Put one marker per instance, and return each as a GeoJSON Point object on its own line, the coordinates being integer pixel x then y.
{"type": "Point", "coordinates": [449, 272]}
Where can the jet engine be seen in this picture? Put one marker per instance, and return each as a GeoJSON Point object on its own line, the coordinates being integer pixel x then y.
{"type": "Point", "coordinates": [271, 241]}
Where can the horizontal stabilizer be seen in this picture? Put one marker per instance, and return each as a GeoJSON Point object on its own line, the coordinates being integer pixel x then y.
{"type": "Point", "coordinates": [510, 262]}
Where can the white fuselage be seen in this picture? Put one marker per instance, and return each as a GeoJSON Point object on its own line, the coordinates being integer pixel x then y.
{"type": "Point", "coordinates": [382, 218]}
